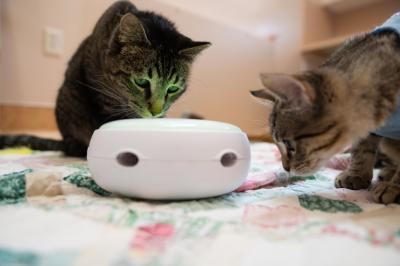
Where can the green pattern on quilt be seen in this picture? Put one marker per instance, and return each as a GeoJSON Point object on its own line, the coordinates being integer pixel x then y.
{"type": "Point", "coordinates": [79, 166]}
{"type": "Point", "coordinates": [19, 258]}
{"type": "Point", "coordinates": [82, 178]}
{"type": "Point", "coordinates": [122, 217]}
{"type": "Point", "coordinates": [8, 257]}
{"type": "Point", "coordinates": [301, 178]}
{"type": "Point", "coordinates": [200, 227]}
{"type": "Point", "coordinates": [314, 202]}
{"type": "Point", "coordinates": [12, 187]}
{"type": "Point", "coordinates": [132, 217]}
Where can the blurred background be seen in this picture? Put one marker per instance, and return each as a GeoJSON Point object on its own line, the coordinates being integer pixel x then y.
{"type": "Point", "coordinates": [37, 38]}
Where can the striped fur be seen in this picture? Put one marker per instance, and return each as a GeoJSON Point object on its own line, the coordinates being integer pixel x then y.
{"type": "Point", "coordinates": [32, 142]}
{"type": "Point", "coordinates": [318, 113]}
{"type": "Point", "coordinates": [134, 64]}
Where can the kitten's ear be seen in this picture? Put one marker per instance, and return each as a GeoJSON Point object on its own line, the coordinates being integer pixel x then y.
{"type": "Point", "coordinates": [193, 48]}
{"type": "Point", "coordinates": [264, 96]}
{"type": "Point", "coordinates": [288, 88]}
{"type": "Point", "coordinates": [131, 30]}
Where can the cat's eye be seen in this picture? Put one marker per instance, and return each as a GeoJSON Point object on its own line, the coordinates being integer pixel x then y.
{"type": "Point", "coordinates": [143, 83]}
{"type": "Point", "coordinates": [172, 89]}
{"type": "Point", "coordinates": [289, 146]}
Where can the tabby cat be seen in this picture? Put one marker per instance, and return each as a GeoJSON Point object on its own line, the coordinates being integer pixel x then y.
{"type": "Point", "coordinates": [351, 98]}
{"type": "Point", "coordinates": [134, 64]}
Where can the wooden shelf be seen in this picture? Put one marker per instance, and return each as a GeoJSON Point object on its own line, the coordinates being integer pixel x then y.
{"type": "Point", "coordinates": [14, 117]}
{"type": "Point", "coordinates": [328, 23]}
{"type": "Point", "coordinates": [324, 47]}
{"type": "Point", "coordinates": [260, 137]}
{"type": "Point", "coordinates": [340, 6]}
{"type": "Point", "coordinates": [39, 133]}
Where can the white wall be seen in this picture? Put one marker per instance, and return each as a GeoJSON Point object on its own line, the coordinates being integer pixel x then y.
{"type": "Point", "coordinates": [221, 78]}
{"type": "Point", "coordinates": [259, 18]}
{"type": "Point", "coordinates": [28, 76]}
{"type": "Point", "coordinates": [1, 50]}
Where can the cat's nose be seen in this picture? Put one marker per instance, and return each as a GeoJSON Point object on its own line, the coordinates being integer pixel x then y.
{"type": "Point", "coordinates": [156, 107]}
{"type": "Point", "coordinates": [286, 164]}
{"type": "Point", "coordinates": [286, 167]}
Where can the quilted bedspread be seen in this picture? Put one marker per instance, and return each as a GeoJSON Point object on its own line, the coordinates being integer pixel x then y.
{"type": "Point", "coordinates": [53, 213]}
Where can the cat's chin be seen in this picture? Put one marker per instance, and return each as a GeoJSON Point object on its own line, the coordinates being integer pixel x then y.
{"type": "Point", "coordinates": [302, 174]}
{"type": "Point", "coordinates": [307, 171]}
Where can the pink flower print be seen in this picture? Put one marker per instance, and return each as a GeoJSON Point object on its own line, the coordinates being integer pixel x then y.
{"type": "Point", "coordinates": [273, 217]}
{"type": "Point", "coordinates": [153, 237]}
{"type": "Point", "coordinates": [257, 180]}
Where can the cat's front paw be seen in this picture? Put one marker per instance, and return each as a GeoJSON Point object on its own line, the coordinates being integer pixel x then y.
{"type": "Point", "coordinates": [352, 181]}
{"type": "Point", "coordinates": [386, 192]}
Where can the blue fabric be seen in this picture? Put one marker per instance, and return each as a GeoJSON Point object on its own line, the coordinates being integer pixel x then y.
{"type": "Point", "coordinates": [391, 128]}
{"type": "Point", "coordinates": [392, 23]}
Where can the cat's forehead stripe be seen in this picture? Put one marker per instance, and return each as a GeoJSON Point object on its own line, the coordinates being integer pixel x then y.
{"type": "Point", "coordinates": [176, 79]}
{"type": "Point", "coordinates": [165, 68]}
{"type": "Point", "coordinates": [171, 72]}
{"type": "Point", "coordinates": [159, 69]}
{"type": "Point", "coordinates": [316, 134]}
{"type": "Point", "coordinates": [329, 143]}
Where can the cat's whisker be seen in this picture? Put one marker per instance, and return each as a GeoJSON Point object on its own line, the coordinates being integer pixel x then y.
{"type": "Point", "coordinates": [195, 80]}
{"type": "Point", "coordinates": [107, 89]}
{"type": "Point", "coordinates": [101, 91]}
{"type": "Point", "coordinates": [120, 115]}
{"type": "Point", "coordinates": [104, 85]}
{"type": "Point", "coordinates": [112, 88]}
{"type": "Point", "coordinates": [122, 108]}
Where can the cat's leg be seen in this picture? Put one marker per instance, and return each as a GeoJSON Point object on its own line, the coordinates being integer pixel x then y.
{"type": "Point", "coordinates": [387, 189]}
{"type": "Point", "coordinates": [359, 173]}
{"type": "Point", "coordinates": [74, 148]}
{"type": "Point", "coordinates": [387, 172]}
{"type": "Point", "coordinates": [74, 119]}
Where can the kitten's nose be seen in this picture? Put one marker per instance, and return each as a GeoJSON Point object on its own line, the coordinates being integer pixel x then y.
{"type": "Point", "coordinates": [286, 164]}
{"type": "Point", "coordinates": [287, 168]}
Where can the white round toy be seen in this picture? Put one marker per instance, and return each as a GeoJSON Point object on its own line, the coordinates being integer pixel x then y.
{"type": "Point", "coordinates": [169, 158]}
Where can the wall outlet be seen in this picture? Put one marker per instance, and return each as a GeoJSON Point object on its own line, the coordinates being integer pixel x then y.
{"type": "Point", "coordinates": [53, 41]}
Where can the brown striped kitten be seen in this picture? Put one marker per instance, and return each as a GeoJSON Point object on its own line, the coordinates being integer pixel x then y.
{"type": "Point", "coordinates": [350, 99]}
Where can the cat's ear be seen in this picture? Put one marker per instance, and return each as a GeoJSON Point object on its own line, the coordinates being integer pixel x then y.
{"type": "Point", "coordinates": [192, 49]}
{"type": "Point", "coordinates": [288, 88]}
{"type": "Point", "coordinates": [131, 30]}
{"type": "Point", "coordinates": [264, 96]}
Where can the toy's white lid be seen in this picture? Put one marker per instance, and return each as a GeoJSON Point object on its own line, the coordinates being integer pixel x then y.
{"type": "Point", "coordinates": [170, 124]}
{"type": "Point", "coordinates": [169, 140]}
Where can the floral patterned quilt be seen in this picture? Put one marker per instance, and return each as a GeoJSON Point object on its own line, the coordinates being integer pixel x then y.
{"type": "Point", "coordinates": [53, 213]}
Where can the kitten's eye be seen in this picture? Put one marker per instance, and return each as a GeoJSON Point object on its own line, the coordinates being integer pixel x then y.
{"type": "Point", "coordinates": [172, 89]}
{"type": "Point", "coordinates": [289, 146]}
{"type": "Point", "coordinates": [143, 83]}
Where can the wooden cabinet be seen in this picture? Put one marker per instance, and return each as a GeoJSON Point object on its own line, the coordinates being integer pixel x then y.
{"type": "Point", "coordinates": [327, 23]}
